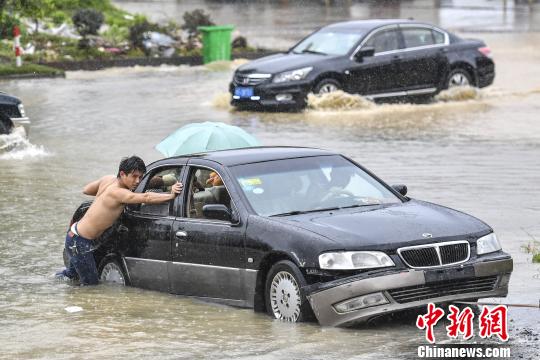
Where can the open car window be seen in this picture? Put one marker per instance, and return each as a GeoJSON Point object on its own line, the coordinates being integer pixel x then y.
{"type": "Point", "coordinates": [205, 187]}
{"type": "Point", "coordinates": [160, 181]}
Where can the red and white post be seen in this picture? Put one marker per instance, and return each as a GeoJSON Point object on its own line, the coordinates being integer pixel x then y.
{"type": "Point", "coordinates": [17, 45]}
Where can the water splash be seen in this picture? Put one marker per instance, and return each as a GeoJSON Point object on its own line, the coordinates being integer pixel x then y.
{"type": "Point", "coordinates": [338, 100]}
{"type": "Point", "coordinates": [15, 146]}
{"type": "Point", "coordinates": [460, 93]}
{"type": "Point", "coordinates": [222, 101]}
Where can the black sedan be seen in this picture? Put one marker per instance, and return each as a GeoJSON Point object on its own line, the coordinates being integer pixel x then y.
{"type": "Point", "coordinates": [380, 59]}
{"type": "Point", "coordinates": [12, 115]}
{"type": "Point", "coordinates": [299, 232]}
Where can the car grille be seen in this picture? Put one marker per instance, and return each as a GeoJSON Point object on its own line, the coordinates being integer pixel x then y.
{"type": "Point", "coordinates": [245, 80]}
{"type": "Point", "coordinates": [433, 255]}
{"type": "Point", "coordinates": [453, 287]}
{"type": "Point", "coordinates": [10, 110]}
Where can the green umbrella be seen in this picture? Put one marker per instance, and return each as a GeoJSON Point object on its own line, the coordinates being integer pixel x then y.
{"type": "Point", "coordinates": [206, 136]}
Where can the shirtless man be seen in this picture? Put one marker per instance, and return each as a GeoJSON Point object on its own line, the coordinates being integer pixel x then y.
{"type": "Point", "coordinates": [112, 194]}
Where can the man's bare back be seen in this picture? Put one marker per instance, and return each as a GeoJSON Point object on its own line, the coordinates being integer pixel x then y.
{"type": "Point", "coordinates": [112, 195]}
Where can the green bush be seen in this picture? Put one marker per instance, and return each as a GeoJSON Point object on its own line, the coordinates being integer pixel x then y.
{"type": "Point", "coordinates": [194, 19]}
{"type": "Point", "coordinates": [59, 17]}
{"type": "Point", "coordinates": [87, 21]}
{"type": "Point", "coordinates": [116, 34]}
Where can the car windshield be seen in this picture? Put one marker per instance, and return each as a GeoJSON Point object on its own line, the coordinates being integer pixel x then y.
{"type": "Point", "coordinates": [328, 43]}
{"type": "Point", "coordinates": [294, 186]}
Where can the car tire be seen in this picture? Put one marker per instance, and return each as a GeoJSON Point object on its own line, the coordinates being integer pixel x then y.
{"type": "Point", "coordinates": [326, 86]}
{"type": "Point", "coordinates": [112, 272]}
{"type": "Point", "coordinates": [284, 297]}
{"type": "Point", "coordinates": [458, 77]}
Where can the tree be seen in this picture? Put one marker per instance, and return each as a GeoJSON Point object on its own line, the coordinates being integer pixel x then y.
{"type": "Point", "coordinates": [87, 22]}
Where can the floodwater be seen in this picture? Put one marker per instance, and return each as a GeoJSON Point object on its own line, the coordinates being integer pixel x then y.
{"type": "Point", "coordinates": [476, 151]}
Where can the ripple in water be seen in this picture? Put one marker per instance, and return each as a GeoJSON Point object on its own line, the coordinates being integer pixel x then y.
{"type": "Point", "coordinates": [15, 146]}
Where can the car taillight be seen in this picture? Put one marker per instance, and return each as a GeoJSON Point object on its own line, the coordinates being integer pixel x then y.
{"type": "Point", "coordinates": [485, 51]}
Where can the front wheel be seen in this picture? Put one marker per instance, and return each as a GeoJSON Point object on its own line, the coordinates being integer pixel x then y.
{"type": "Point", "coordinates": [284, 297]}
{"type": "Point", "coordinates": [327, 86]}
{"type": "Point", "coordinates": [111, 272]}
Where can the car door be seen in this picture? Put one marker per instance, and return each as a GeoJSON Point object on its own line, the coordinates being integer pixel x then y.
{"type": "Point", "coordinates": [378, 74]}
{"type": "Point", "coordinates": [208, 256]}
{"type": "Point", "coordinates": [147, 230]}
{"type": "Point", "coordinates": [424, 60]}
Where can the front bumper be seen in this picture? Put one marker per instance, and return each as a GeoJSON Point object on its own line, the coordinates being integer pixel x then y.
{"type": "Point", "coordinates": [23, 123]}
{"type": "Point", "coordinates": [407, 289]}
{"type": "Point", "coordinates": [264, 95]}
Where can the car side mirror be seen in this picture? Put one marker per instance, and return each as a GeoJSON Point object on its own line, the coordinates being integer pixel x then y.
{"type": "Point", "coordinates": [366, 51]}
{"type": "Point", "coordinates": [217, 212]}
{"type": "Point", "coordinates": [402, 189]}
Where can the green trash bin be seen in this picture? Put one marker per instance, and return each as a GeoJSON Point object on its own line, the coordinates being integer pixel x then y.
{"type": "Point", "coordinates": [216, 42]}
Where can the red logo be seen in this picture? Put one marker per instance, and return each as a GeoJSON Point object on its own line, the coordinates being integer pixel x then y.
{"type": "Point", "coordinates": [494, 322]}
{"type": "Point", "coordinates": [460, 323]}
{"type": "Point", "coordinates": [429, 320]}
{"type": "Point", "coordinates": [491, 322]}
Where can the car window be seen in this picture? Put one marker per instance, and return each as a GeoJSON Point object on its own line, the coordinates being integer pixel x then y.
{"type": "Point", "coordinates": [415, 37]}
{"type": "Point", "coordinates": [438, 37]}
{"type": "Point", "coordinates": [205, 187]}
{"type": "Point", "coordinates": [384, 40]}
{"type": "Point", "coordinates": [328, 42]}
{"type": "Point", "coordinates": [160, 181]}
{"type": "Point", "coordinates": [307, 184]}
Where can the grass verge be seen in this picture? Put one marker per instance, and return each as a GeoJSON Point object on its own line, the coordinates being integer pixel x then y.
{"type": "Point", "coordinates": [9, 70]}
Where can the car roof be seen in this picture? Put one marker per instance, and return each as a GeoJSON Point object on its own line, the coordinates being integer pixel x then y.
{"type": "Point", "coordinates": [366, 25]}
{"type": "Point", "coordinates": [248, 155]}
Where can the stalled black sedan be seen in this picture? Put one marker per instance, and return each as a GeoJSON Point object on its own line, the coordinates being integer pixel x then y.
{"type": "Point", "coordinates": [12, 115]}
{"type": "Point", "coordinates": [380, 59]}
{"type": "Point", "coordinates": [297, 233]}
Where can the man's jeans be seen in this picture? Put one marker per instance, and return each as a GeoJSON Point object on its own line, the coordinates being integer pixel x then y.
{"type": "Point", "coordinates": [81, 259]}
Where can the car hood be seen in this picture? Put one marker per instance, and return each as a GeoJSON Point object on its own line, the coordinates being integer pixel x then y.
{"type": "Point", "coordinates": [277, 63]}
{"type": "Point", "coordinates": [8, 99]}
{"type": "Point", "coordinates": [390, 227]}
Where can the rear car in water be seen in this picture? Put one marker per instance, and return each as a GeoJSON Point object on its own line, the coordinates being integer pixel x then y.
{"type": "Point", "coordinates": [379, 59]}
{"type": "Point", "coordinates": [298, 233]}
{"type": "Point", "coordinates": [12, 115]}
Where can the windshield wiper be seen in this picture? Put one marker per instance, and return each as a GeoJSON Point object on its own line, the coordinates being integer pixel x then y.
{"type": "Point", "coordinates": [298, 212]}
{"type": "Point", "coordinates": [307, 51]}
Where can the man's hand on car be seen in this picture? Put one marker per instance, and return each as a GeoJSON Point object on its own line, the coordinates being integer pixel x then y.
{"type": "Point", "coordinates": [177, 188]}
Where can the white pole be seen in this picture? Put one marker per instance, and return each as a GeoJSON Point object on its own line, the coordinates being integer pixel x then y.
{"type": "Point", "coordinates": [17, 45]}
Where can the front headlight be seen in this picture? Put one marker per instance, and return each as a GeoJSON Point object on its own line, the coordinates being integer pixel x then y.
{"type": "Point", "coordinates": [294, 75]}
{"type": "Point", "coordinates": [487, 244]}
{"type": "Point", "coordinates": [21, 110]}
{"type": "Point", "coordinates": [350, 260]}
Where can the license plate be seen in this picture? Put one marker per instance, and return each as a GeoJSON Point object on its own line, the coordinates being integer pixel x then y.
{"type": "Point", "coordinates": [434, 276]}
{"type": "Point", "coordinates": [243, 92]}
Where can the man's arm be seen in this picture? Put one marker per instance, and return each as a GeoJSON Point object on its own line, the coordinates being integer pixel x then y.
{"type": "Point", "coordinates": [125, 196]}
{"type": "Point", "coordinates": [93, 187]}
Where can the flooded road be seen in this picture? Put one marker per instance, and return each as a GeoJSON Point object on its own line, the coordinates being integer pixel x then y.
{"type": "Point", "coordinates": [480, 154]}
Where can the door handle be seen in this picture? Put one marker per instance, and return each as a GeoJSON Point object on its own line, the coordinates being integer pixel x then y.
{"type": "Point", "coordinates": [443, 50]}
{"type": "Point", "coordinates": [181, 234]}
{"type": "Point", "coordinates": [396, 58]}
